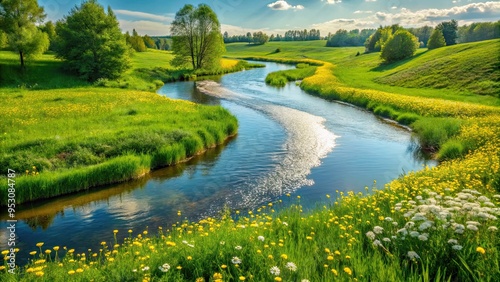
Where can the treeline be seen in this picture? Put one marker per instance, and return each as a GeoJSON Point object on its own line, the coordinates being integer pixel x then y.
{"type": "Point", "coordinates": [142, 43]}
{"type": "Point", "coordinates": [258, 37]}
{"type": "Point", "coordinates": [478, 32]}
{"type": "Point", "coordinates": [343, 38]}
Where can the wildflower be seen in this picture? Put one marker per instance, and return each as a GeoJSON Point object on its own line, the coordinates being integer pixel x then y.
{"type": "Point", "coordinates": [71, 272]}
{"type": "Point", "coordinates": [389, 219]}
{"type": "Point", "coordinates": [179, 267]}
{"type": "Point", "coordinates": [348, 270]}
{"type": "Point", "coordinates": [329, 258]}
{"type": "Point", "coordinates": [425, 225]}
{"type": "Point", "coordinates": [457, 247]}
{"type": "Point", "coordinates": [387, 240]}
{"type": "Point", "coordinates": [423, 237]}
{"type": "Point", "coordinates": [236, 260]}
{"type": "Point", "coordinates": [115, 231]}
{"type": "Point", "coordinates": [39, 244]}
{"type": "Point", "coordinates": [414, 234]}
{"type": "Point", "coordinates": [284, 223]}
{"type": "Point", "coordinates": [304, 280]}
{"type": "Point", "coordinates": [378, 230]}
{"type": "Point", "coordinates": [79, 270]}
{"type": "Point", "coordinates": [223, 266]}
{"type": "Point", "coordinates": [275, 271]}
{"type": "Point", "coordinates": [291, 266]}
{"type": "Point", "coordinates": [238, 248]}
{"type": "Point", "coordinates": [277, 278]}
{"type": "Point", "coordinates": [33, 253]}
{"type": "Point", "coordinates": [472, 227]}
{"type": "Point", "coordinates": [370, 235]}
{"type": "Point", "coordinates": [493, 228]}
{"type": "Point", "coordinates": [165, 267]}
{"type": "Point", "coordinates": [481, 250]}
{"type": "Point", "coordinates": [189, 257]}
{"type": "Point", "coordinates": [413, 255]}
{"type": "Point", "coordinates": [146, 268]}
{"type": "Point", "coordinates": [222, 242]}
{"type": "Point", "coordinates": [217, 275]}
{"type": "Point", "coordinates": [377, 243]}
{"type": "Point", "coordinates": [284, 256]}
{"type": "Point", "coordinates": [335, 272]}
{"type": "Point", "coordinates": [261, 238]}
{"type": "Point", "coordinates": [242, 278]}
{"type": "Point", "coordinates": [39, 273]}
{"type": "Point", "coordinates": [403, 231]}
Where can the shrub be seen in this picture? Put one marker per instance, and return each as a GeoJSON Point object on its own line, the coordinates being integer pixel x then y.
{"type": "Point", "coordinates": [436, 40]}
{"type": "Point", "coordinates": [451, 150]}
{"type": "Point", "coordinates": [400, 46]}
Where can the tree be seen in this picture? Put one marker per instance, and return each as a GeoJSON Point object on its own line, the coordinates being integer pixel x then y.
{"type": "Point", "coordinates": [136, 41]}
{"type": "Point", "coordinates": [449, 30]}
{"type": "Point", "coordinates": [399, 46]}
{"type": "Point", "coordinates": [18, 19]}
{"type": "Point", "coordinates": [197, 37]}
{"type": "Point", "coordinates": [91, 43]}
{"type": "Point", "coordinates": [150, 43]}
{"type": "Point", "coordinates": [436, 40]}
{"type": "Point", "coordinates": [50, 29]}
{"type": "Point", "coordinates": [260, 38]}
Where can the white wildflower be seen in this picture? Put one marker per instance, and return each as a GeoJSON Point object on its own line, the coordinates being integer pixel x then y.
{"type": "Point", "coordinates": [222, 242]}
{"type": "Point", "coordinates": [370, 235]}
{"type": "Point", "coordinates": [483, 199]}
{"type": "Point", "coordinates": [409, 224]}
{"type": "Point", "coordinates": [425, 225]}
{"type": "Point", "coordinates": [386, 240]}
{"type": "Point", "coordinates": [165, 267]}
{"type": "Point", "coordinates": [414, 234]}
{"type": "Point", "coordinates": [473, 223]}
{"type": "Point", "coordinates": [284, 223]}
{"type": "Point", "coordinates": [413, 255]}
{"type": "Point", "coordinates": [388, 219]}
{"type": "Point", "coordinates": [291, 266]}
{"type": "Point", "coordinates": [493, 228]}
{"type": "Point", "coordinates": [453, 241]}
{"type": "Point", "coordinates": [403, 231]}
{"type": "Point", "coordinates": [236, 260]}
{"type": "Point", "coordinates": [394, 223]}
{"type": "Point", "coordinates": [261, 238]}
{"type": "Point", "coordinates": [472, 227]}
{"type": "Point", "coordinates": [457, 247]}
{"type": "Point", "coordinates": [275, 271]}
{"type": "Point", "coordinates": [418, 198]}
{"type": "Point", "coordinates": [238, 248]}
{"type": "Point", "coordinates": [423, 237]}
{"type": "Point", "coordinates": [377, 243]}
{"type": "Point", "coordinates": [146, 268]}
{"type": "Point", "coordinates": [378, 230]}
{"type": "Point", "coordinates": [304, 280]}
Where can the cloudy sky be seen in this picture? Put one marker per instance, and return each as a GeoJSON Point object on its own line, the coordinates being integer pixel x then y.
{"type": "Point", "coordinates": [277, 16]}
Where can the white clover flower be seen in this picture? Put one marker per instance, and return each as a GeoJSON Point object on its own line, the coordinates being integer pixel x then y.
{"type": "Point", "coordinates": [378, 230]}
{"type": "Point", "coordinates": [238, 248]}
{"type": "Point", "coordinates": [453, 241]}
{"type": "Point", "coordinates": [275, 271]}
{"type": "Point", "coordinates": [423, 237]}
{"type": "Point", "coordinates": [261, 238]}
{"type": "Point", "coordinates": [413, 255]}
{"type": "Point", "coordinates": [134, 270]}
{"type": "Point", "coordinates": [457, 247]}
{"type": "Point", "coordinates": [493, 228]}
{"type": "Point", "coordinates": [370, 235]}
{"type": "Point", "coordinates": [414, 234]}
{"type": "Point", "coordinates": [291, 266]}
{"type": "Point", "coordinates": [165, 267]}
{"type": "Point", "coordinates": [236, 260]}
{"type": "Point", "coordinates": [472, 227]}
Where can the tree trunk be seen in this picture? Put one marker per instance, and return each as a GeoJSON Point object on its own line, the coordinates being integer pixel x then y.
{"type": "Point", "coordinates": [21, 55]}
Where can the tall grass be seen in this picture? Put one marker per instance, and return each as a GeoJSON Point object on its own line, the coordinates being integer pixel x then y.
{"type": "Point", "coordinates": [281, 78]}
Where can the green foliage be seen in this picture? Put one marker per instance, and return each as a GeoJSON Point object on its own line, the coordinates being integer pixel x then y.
{"type": "Point", "coordinates": [343, 38]}
{"type": "Point", "coordinates": [436, 40]}
{"type": "Point", "coordinates": [422, 33]}
{"type": "Point", "coordinates": [400, 46]}
{"type": "Point", "coordinates": [50, 29]}
{"type": "Point", "coordinates": [281, 78]}
{"type": "Point", "coordinates": [150, 43]}
{"type": "Point", "coordinates": [407, 118]}
{"type": "Point", "coordinates": [377, 40]}
{"type": "Point", "coordinates": [260, 38]}
{"type": "Point", "coordinates": [449, 30]}
{"type": "Point", "coordinates": [136, 42]}
{"type": "Point", "coordinates": [91, 43]}
{"type": "Point", "coordinates": [18, 19]}
{"type": "Point", "coordinates": [452, 149]}
{"type": "Point", "coordinates": [479, 31]}
{"type": "Point", "coordinates": [434, 132]}
{"type": "Point", "coordinates": [201, 48]}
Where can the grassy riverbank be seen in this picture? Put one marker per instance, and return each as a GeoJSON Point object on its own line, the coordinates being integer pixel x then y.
{"type": "Point", "coordinates": [439, 224]}
{"type": "Point", "coordinates": [63, 135]}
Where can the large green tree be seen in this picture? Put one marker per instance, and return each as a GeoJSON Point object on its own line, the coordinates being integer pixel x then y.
{"type": "Point", "coordinates": [196, 37]}
{"type": "Point", "coordinates": [399, 46]}
{"type": "Point", "coordinates": [436, 40]}
{"type": "Point", "coordinates": [18, 19]}
{"type": "Point", "coordinates": [449, 30]}
{"type": "Point", "coordinates": [91, 43]}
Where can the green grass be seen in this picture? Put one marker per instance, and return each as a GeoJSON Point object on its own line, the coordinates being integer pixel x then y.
{"type": "Point", "coordinates": [281, 78]}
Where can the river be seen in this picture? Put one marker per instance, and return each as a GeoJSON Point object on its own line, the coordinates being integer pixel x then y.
{"type": "Point", "coordinates": [288, 142]}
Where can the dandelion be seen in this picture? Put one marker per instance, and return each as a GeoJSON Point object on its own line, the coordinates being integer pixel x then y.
{"type": "Point", "coordinates": [277, 278]}
{"type": "Point", "coordinates": [165, 267]}
{"type": "Point", "coordinates": [284, 256]}
{"type": "Point", "coordinates": [236, 260]}
{"type": "Point", "coordinates": [71, 272]}
{"type": "Point", "coordinates": [329, 258]}
{"type": "Point", "coordinates": [335, 272]}
{"type": "Point", "coordinates": [348, 270]}
{"type": "Point", "coordinates": [242, 278]}
{"type": "Point", "coordinates": [275, 271]}
{"type": "Point", "coordinates": [217, 275]}
{"type": "Point", "coordinates": [39, 244]}
{"type": "Point", "coordinates": [413, 255]}
{"type": "Point", "coordinates": [261, 238]}
{"type": "Point", "coordinates": [481, 250]}
{"type": "Point", "coordinates": [291, 266]}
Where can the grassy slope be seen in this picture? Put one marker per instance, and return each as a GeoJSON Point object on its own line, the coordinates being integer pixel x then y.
{"type": "Point", "coordinates": [79, 136]}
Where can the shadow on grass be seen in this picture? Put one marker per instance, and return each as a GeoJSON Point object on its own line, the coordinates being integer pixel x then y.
{"type": "Point", "coordinates": [42, 74]}
{"type": "Point", "coordinates": [389, 66]}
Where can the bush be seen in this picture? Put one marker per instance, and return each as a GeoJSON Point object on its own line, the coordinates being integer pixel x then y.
{"type": "Point", "coordinates": [407, 118]}
{"type": "Point", "coordinates": [436, 40]}
{"type": "Point", "coordinates": [400, 46]}
{"type": "Point", "coordinates": [451, 150]}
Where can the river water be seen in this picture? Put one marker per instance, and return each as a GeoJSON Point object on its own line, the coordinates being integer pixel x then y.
{"type": "Point", "coordinates": [288, 142]}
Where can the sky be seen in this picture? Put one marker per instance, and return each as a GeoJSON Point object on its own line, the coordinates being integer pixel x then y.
{"type": "Point", "coordinates": [153, 17]}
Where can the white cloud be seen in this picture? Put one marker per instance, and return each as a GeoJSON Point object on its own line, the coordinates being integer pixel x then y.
{"type": "Point", "coordinates": [283, 5]}
{"type": "Point", "coordinates": [145, 27]}
{"type": "Point", "coordinates": [332, 1]}
{"type": "Point", "coordinates": [142, 15]}
{"type": "Point", "coordinates": [370, 0]}
{"type": "Point", "coordinates": [466, 14]}
{"type": "Point", "coordinates": [363, 12]}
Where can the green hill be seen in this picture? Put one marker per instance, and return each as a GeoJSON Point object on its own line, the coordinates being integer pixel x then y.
{"type": "Point", "coordinates": [473, 67]}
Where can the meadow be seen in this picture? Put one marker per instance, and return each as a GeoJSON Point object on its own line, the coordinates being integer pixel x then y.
{"type": "Point", "coordinates": [438, 224]}
{"type": "Point", "coordinates": [126, 133]}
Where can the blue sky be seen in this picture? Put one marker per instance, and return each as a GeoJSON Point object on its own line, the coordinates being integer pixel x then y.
{"type": "Point", "coordinates": [277, 16]}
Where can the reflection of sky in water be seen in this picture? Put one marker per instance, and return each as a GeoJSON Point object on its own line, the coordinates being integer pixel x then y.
{"type": "Point", "coordinates": [283, 136]}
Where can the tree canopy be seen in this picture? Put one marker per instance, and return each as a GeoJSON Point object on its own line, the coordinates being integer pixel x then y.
{"type": "Point", "coordinates": [91, 43]}
{"type": "Point", "coordinates": [449, 30]}
{"type": "Point", "coordinates": [399, 46]}
{"type": "Point", "coordinates": [436, 40]}
{"type": "Point", "coordinates": [197, 38]}
{"type": "Point", "coordinates": [18, 19]}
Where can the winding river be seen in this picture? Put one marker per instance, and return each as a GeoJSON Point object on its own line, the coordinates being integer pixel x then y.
{"type": "Point", "coordinates": [288, 142]}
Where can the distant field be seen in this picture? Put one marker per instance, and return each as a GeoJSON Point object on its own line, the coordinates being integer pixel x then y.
{"type": "Point", "coordinates": [367, 71]}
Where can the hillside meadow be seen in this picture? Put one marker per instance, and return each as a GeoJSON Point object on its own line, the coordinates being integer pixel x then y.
{"type": "Point", "coordinates": [438, 224]}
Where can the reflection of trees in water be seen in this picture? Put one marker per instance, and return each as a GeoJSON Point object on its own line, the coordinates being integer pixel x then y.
{"type": "Point", "coordinates": [42, 221]}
